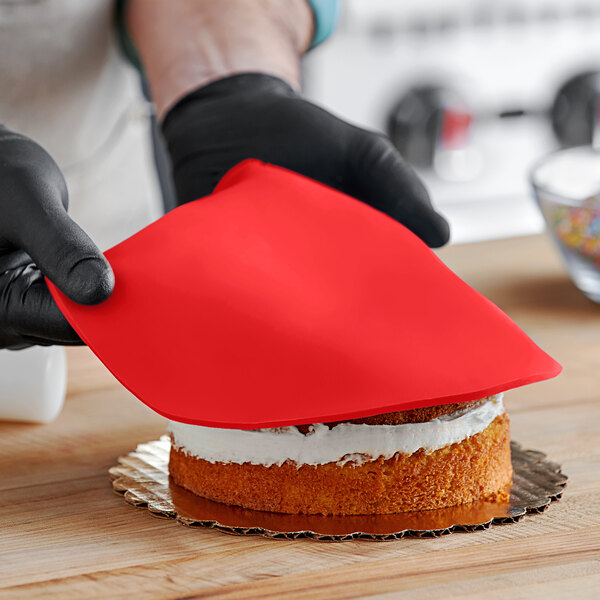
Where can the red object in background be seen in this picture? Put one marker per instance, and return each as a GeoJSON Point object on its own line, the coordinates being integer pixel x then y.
{"type": "Point", "coordinates": [279, 301]}
{"type": "Point", "coordinates": [455, 129]}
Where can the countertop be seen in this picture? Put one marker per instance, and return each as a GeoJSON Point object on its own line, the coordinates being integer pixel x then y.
{"type": "Point", "coordinates": [65, 534]}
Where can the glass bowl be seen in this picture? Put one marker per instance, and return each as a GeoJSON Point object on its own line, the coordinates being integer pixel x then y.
{"type": "Point", "coordinates": [566, 185]}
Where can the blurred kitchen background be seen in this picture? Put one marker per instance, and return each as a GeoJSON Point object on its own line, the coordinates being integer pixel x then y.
{"type": "Point", "coordinates": [472, 92]}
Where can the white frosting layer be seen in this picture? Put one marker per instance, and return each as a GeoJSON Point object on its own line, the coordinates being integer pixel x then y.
{"type": "Point", "coordinates": [343, 443]}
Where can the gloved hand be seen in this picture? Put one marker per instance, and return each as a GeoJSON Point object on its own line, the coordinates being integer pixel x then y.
{"type": "Point", "coordinates": [38, 237]}
{"type": "Point", "coordinates": [259, 116]}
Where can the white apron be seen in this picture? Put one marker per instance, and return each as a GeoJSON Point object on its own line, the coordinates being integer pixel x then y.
{"type": "Point", "coordinates": [65, 83]}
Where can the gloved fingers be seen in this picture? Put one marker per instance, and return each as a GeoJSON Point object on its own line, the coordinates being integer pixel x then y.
{"type": "Point", "coordinates": [13, 260]}
{"type": "Point", "coordinates": [195, 179]}
{"type": "Point", "coordinates": [28, 312]}
{"type": "Point", "coordinates": [34, 199]}
{"type": "Point", "coordinates": [381, 178]}
{"type": "Point", "coordinates": [26, 169]}
{"type": "Point", "coordinates": [66, 255]}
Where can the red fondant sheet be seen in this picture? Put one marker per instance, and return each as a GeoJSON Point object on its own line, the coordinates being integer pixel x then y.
{"type": "Point", "coordinates": [278, 301]}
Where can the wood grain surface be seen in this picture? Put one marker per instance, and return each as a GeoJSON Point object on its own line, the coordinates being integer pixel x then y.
{"type": "Point", "coordinates": [64, 534]}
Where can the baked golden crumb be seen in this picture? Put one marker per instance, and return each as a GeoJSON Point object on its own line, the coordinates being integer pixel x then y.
{"type": "Point", "coordinates": [479, 467]}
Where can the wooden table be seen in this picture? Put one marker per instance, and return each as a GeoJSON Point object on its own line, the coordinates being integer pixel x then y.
{"type": "Point", "coordinates": [64, 534]}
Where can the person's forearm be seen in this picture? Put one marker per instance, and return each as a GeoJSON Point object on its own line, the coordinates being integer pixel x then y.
{"type": "Point", "coordinates": [189, 43]}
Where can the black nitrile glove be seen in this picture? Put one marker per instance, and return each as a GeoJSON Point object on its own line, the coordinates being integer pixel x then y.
{"type": "Point", "coordinates": [259, 116]}
{"type": "Point", "coordinates": [35, 231]}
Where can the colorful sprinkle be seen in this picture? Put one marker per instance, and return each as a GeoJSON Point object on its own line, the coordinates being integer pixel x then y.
{"type": "Point", "coordinates": [579, 227]}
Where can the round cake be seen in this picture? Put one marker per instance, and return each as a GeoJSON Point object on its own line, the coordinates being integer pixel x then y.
{"type": "Point", "coordinates": [413, 460]}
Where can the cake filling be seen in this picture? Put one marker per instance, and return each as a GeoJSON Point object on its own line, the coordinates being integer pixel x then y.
{"type": "Point", "coordinates": [342, 443]}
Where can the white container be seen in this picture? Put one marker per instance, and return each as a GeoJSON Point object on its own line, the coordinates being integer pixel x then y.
{"type": "Point", "coordinates": [32, 383]}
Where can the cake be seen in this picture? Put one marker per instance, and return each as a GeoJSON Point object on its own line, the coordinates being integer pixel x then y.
{"type": "Point", "coordinates": [414, 460]}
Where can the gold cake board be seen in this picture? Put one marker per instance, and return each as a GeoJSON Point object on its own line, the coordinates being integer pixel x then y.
{"type": "Point", "coordinates": [142, 477]}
